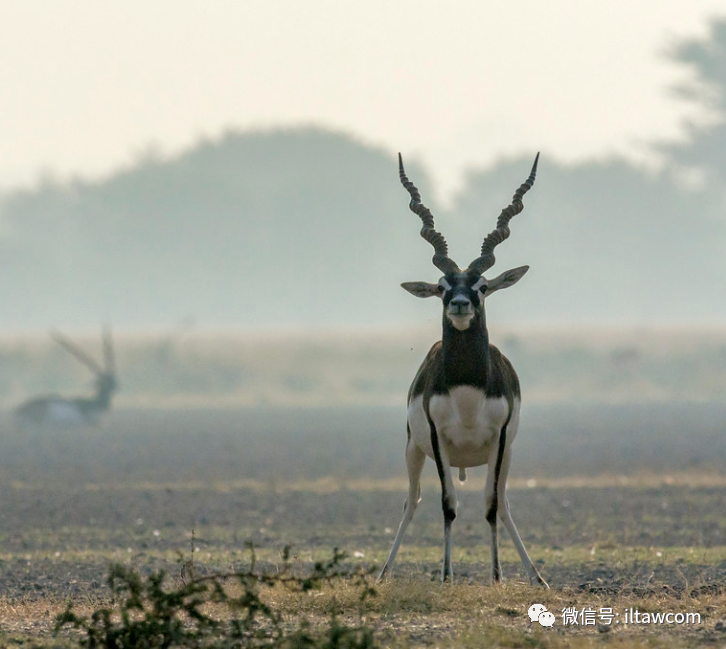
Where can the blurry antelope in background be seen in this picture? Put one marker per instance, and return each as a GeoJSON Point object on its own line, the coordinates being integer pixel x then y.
{"type": "Point", "coordinates": [55, 411]}
{"type": "Point", "coordinates": [463, 404]}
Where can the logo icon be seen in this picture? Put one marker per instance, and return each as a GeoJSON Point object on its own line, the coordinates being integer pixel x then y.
{"type": "Point", "coordinates": [539, 613]}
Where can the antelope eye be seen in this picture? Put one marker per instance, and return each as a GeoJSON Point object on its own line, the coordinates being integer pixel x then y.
{"type": "Point", "coordinates": [440, 288]}
{"type": "Point", "coordinates": [483, 288]}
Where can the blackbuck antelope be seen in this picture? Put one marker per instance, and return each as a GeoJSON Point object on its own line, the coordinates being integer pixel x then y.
{"type": "Point", "coordinates": [54, 411]}
{"type": "Point", "coordinates": [463, 404]}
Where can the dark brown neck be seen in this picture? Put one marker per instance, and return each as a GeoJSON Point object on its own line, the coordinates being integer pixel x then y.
{"type": "Point", "coordinates": [466, 353]}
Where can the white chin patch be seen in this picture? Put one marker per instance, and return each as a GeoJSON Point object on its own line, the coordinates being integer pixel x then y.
{"type": "Point", "coordinates": [461, 322]}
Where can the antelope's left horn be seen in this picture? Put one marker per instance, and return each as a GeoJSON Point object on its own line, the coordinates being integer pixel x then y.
{"type": "Point", "coordinates": [486, 260]}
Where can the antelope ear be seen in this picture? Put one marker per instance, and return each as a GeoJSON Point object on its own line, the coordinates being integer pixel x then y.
{"type": "Point", "coordinates": [422, 289]}
{"type": "Point", "coordinates": [506, 279]}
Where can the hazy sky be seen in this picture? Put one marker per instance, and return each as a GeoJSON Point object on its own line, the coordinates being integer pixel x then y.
{"type": "Point", "coordinates": [86, 86]}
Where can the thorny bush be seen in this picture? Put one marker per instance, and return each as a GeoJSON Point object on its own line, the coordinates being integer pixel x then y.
{"type": "Point", "coordinates": [219, 610]}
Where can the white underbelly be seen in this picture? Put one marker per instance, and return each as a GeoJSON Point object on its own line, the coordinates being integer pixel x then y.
{"type": "Point", "coordinates": [467, 422]}
{"type": "Point", "coordinates": [62, 413]}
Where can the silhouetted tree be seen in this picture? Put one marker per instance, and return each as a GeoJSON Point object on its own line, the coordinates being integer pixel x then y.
{"type": "Point", "coordinates": [705, 145]}
{"type": "Point", "coordinates": [274, 228]}
{"type": "Point", "coordinates": [607, 241]}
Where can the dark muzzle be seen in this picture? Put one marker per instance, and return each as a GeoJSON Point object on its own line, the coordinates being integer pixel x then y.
{"type": "Point", "coordinates": [459, 306]}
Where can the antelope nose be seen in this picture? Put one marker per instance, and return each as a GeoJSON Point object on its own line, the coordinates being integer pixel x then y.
{"type": "Point", "coordinates": [459, 305]}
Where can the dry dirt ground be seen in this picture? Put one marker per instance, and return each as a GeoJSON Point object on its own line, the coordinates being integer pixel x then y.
{"type": "Point", "coordinates": [153, 487]}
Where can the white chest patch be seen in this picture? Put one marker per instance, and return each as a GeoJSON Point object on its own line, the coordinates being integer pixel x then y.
{"type": "Point", "coordinates": [467, 422]}
{"type": "Point", "coordinates": [465, 418]}
{"type": "Point", "coordinates": [62, 413]}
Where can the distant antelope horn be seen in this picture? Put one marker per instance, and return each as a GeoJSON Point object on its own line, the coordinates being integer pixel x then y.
{"type": "Point", "coordinates": [486, 260]}
{"type": "Point", "coordinates": [77, 353]}
{"type": "Point", "coordinates": [108, 353]}
{"type": "Point", "coordinates": [436, 239]}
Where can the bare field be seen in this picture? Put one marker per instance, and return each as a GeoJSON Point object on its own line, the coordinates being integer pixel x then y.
{"type": "Point", "coordinates": [620, 506]}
